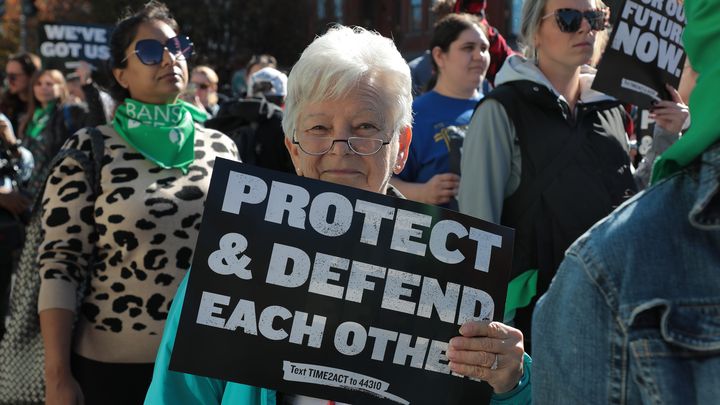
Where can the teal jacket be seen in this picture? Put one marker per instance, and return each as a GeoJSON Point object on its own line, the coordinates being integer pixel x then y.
{"type": "Point", "coordinates": [171, 387]}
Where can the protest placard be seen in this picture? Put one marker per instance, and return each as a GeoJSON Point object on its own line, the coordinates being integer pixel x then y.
{"type": "Point", "coordinates": [62, 45]}
{"type": "Point", "coordinates": [329, 291]}
{"type": "Point", "coordinates": [644, 129]}
{"type": "Point", "coordinates": [644, 52]}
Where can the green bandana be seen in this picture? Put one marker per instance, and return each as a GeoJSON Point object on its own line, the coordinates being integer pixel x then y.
{"type": "Point", "coordinates": [163, 133]}
{"type": "Point", "coordinates": [39, 120]}
{"type": "Point", "coordinates": [702, 45]}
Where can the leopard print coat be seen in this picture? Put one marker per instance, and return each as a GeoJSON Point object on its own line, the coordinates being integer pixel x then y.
{"type": "Point", "coordinates": [144, 223]}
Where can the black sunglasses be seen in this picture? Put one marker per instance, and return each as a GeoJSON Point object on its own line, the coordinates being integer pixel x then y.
{"type": "Point", "coordinates": [150, 51]}
{"type": "Point", "coordinates": [570, 19]}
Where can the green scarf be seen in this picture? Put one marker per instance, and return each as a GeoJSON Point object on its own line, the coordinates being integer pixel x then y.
{"type": "Point", "coordinates": [40, 118]}
{"type": "Point", "coordinates": [163, 133]}
{"type": "Point", "coordinates": [702, 45]}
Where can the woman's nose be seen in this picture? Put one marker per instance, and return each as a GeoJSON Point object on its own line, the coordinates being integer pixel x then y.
{"type": "Point", "coordinates": [584, 26]}
{"type": "Point", "coordinates": [168, 57]}
{"type": "Point", "coordinates": [344, 144]}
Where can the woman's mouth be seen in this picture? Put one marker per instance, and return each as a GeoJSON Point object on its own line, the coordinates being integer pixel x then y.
{"type": "Point", "coordinates": [171, 76]}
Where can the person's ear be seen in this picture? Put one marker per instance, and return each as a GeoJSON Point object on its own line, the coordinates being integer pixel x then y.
{"type": "Point", "coordinates": [293, 150]}
{"type": "Point", "coordinates": [438, 56]}
{"type": "Point", "coordinates": [404, 138]}
{"type": "Point", "coordinates": [120, 77]}
{"type": "Point", "coordinates": [536, 40]}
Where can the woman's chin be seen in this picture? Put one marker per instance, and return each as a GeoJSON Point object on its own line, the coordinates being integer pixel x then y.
{"type": "Point", "coordinates": [356, 180]}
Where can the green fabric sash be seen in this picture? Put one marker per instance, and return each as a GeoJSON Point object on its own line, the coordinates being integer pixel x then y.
{"type": "Point", "coordinates": [702, 45]}
{"type": "Point", "coordinates": [39, 121]}
{"type": "Point", "coordinates": [163, 133]}
{"type": "Point", "coordinates": [520, 292]}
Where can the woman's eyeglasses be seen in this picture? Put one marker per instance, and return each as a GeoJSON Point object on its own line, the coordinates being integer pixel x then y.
{"type": "Point", "coordinates": [150, 51]}
{"type": "Point", "coordinates": [570, 19]}
{"type": "Point", "coordinates": [320, 145]}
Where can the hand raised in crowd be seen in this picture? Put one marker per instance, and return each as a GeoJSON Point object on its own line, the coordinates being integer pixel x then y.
{"type": "Point", "coordinates": [13, 201]}
{"type": "Point", "coordinates": [441, 188]}
{"type": "Point", "coordinates": [84, 72]}
{"type": "Point", "coordinates": [489, 351]}
{"type": "Point", "coordinates": [670, 115]}
{"type": "Point", "coordinates": [190, 95]}
{"type": "Point", "coordinates": [7, 134]}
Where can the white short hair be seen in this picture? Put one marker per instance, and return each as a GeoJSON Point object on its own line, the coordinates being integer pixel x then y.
{"type": "Point", "coordinates": [335, 63]}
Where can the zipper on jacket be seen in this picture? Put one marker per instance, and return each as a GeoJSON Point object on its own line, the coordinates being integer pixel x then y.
{"type": "Point", "coordinates": [566, 113]}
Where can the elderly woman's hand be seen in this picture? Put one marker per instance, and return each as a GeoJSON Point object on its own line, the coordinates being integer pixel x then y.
{"type": "Point", "coordinates": [670, 115]}
{"type": "Point", "coordinates": [490, 351]}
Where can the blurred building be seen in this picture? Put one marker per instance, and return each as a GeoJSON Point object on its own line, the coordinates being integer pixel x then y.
{"type": "Point", "coordinates": [408, 22]}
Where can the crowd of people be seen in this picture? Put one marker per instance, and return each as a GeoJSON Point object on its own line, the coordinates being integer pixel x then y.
{"type": "Point", "coordinates": [611, 298]}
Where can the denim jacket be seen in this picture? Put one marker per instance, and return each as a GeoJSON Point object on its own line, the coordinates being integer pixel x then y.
{"type": "Point", "coordinates": [633, 314]}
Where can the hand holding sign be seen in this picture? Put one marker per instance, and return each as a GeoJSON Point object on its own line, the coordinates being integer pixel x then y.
{"type": "Point", "coordinates": [647, 43]}
{"type": "Point", "coordinates": [488, 351]}
{"type": "Point", "coordinates": [352, 296]}
{"type": "Point", "coordinates": [84, 72]}
{"type": "Point", "coordinates": [670, 115]}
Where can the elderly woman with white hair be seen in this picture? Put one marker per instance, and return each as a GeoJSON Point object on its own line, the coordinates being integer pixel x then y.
{"type": "Point", "coordinates": [348, 121]}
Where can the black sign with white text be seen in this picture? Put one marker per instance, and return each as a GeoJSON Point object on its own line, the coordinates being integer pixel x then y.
{"type": "Point", "coordinates": [313, 288]}
{"type": "Point", "coordinates": [62, 45]}
{"type": "Point", "coordinates": [644, 53]}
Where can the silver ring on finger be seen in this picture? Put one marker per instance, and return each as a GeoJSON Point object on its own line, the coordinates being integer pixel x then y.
{"type": "Point", "coordinates": [495, 363]}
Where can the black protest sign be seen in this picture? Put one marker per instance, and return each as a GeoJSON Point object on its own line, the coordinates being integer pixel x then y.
{"type": "Point", "coordinates": [62, 45]}
{"type": "Point", "coordinates": [644, 129]}
{"type": "Point", "coordinates": [644, 52]}
{"type": "Point", "coordinates": [324, 290]}
{"type": "Point", "coordinates": [614, 6]}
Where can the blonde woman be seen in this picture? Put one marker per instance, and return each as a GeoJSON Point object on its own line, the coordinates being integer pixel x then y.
{"type": "Point", "coordinates": [204, 85]}
{"type": "Point", "coordinates": [546, 152]}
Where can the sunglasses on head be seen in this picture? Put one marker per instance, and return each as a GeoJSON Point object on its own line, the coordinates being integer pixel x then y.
{"type": "Point", "coordinates": [150, 51]}
{"type": "Point", "coordinates": [570, 20]}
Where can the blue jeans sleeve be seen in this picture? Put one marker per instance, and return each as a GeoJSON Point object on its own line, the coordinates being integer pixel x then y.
{"type": "Point", "coordinates": [576, 336]}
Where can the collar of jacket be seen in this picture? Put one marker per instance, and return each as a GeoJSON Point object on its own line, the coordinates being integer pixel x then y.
{"type": "Point", "coordinates": [517, 68]}
{"type": "Point", "coordinates": [705, 212]}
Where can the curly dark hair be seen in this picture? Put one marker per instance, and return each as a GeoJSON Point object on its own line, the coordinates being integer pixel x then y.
{"type": "Point", "coordinates": [124, 34]}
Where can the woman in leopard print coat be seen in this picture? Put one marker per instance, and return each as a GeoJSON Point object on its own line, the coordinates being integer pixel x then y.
{"type": "Point", "coordinates": [142, 226]}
